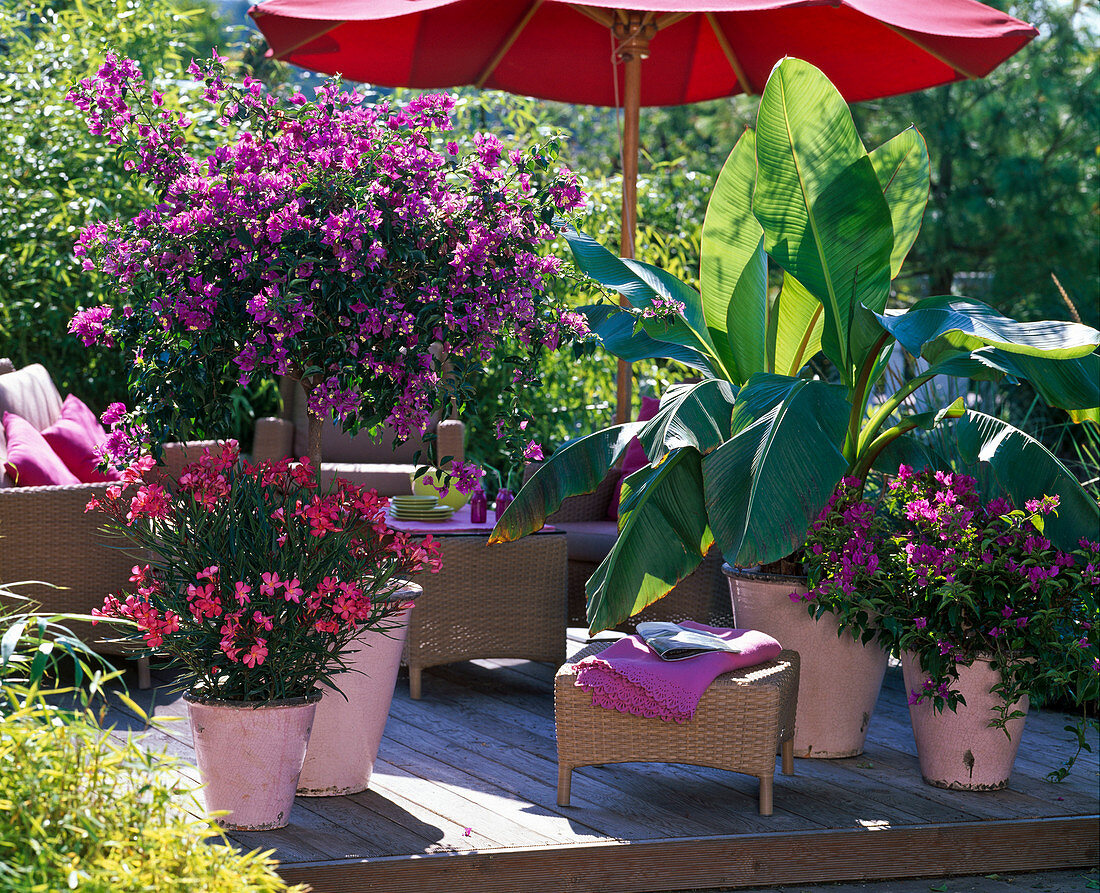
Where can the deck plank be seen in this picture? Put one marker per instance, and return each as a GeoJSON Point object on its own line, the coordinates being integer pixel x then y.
{"type": "Point", "coordinates": [464, 799]}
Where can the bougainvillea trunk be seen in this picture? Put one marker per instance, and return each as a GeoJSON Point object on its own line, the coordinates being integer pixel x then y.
{"type": "Point", "coordinates": [315, 429]}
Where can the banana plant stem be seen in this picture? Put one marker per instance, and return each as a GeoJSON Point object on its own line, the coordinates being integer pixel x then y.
{"type": "Point", "coordinates": [859, 399]}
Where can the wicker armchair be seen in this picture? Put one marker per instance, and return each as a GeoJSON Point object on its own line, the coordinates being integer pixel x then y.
{"type": "Point", "coordinates": [45, 534]}
{"type": "Point", "coordinates": [702, 596]}
{"type": "Point", "coordinates": [359, 459]}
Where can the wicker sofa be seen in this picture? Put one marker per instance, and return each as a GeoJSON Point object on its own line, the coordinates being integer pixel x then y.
{"type": "Point", "coordinates": [359, 459]}
{"type": "Point", "coordinates": [45, 534]}
{"type": "Point", "coordinates": [703, 596]}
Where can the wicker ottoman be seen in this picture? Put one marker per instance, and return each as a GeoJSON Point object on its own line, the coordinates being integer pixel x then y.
{"type": "Point", "coordinates": [741, 721]}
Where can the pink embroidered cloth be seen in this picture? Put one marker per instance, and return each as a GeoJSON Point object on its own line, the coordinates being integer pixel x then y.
{"type": "Point", "coordinates": [630, 678]}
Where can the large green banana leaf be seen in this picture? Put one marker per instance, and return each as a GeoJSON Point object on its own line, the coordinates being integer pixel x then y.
{"type": "Point", "coordinates": [820, 203]}
{"type": "Point", "coordinates": [1072, 384]}
{"type": "Point", "coordinates": [663, 536]}
{"type": "Point", "coordinates": [641, 284]}
{"type": "Point", "coordinates": [902, 167]}
{"type": "Point", "coordinates": [607, 269]}
{"type": "Point", "coordinates": [766, 484]}
{"type": "Point", "coordinates": [800, 318]}
{"type": "Point", "coordinates": [617, 330]}
{"type": "Point", "coordinates": [576, 468]}
{"type": "Point", "coordinates": [733, 268]}
{"type": "Point", "coordinates": [1007, 461]}
{"type": "Point", "coordinates": [938, 325]}
{"type": "Point", "coordinates": [691, 415]}
{"type": "Point", "coordinates": [688, 328]}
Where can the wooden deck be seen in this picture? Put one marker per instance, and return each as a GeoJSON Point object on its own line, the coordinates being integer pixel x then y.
{"type": "Point", "coordinates": [463, 798]}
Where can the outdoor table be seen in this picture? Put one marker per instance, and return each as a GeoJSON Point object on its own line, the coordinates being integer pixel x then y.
{"type": "Point", "coordinates": [502, 601]}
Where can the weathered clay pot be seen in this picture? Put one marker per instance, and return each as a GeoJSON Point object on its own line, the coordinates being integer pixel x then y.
{"type": "Point", "coordinates": [348, 728]}
{"type": "Point", "coordinates": [249, 757]}
{"type": "Point", "coordinates": [841, 677]}
{"type": "Point", "coordinates": [959, 750]}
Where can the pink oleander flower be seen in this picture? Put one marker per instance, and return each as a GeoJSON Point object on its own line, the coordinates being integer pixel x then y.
{"type": "Point", "coordinates": [256, 655]}
{"type": "Point", "coordinates": [292, 590]}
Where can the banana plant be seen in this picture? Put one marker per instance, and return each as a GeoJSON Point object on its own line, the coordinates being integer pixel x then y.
{"type": "Point", "coordinates": [748, 456]}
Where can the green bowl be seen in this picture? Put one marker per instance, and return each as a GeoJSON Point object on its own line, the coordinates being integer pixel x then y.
{"type": "Point", "coordinates": [425, 486]}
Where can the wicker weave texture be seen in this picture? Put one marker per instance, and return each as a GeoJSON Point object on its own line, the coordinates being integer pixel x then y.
{"type": "Point", "coordinates": [46, 535]}
{"type": "Point", "coordinates": [703, 596]}
{"type": "Point", "coordinates": [740, 721]}
{"type": "Point", "coordinates": [274, 438]}
{"type": "Point", "coordinates": [505, 600]}
{"type": "Point", "coordinates": [588, 506]}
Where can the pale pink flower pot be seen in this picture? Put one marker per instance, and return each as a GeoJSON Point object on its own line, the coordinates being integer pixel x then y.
{"type": "Point", "coordinates": [841, 677]}
{"type": "Point", "coordinates": [347, 732]}
{"type": "Point", "coordinates": [960, 750]}
{"type": "Point", "coordinates": [249, 757]}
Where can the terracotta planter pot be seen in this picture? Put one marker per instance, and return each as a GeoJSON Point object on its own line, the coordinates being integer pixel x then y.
{"type": "Point", "coordinates": [959, 750]}
{"type": "Point", "coordinates": [347, 732]}
{"type": "Point", "coordinates": [249, 757]}
{"type": "Point", "coordinates": [841, 677]}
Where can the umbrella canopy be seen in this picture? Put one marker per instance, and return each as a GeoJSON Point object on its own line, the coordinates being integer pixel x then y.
{"type": "Point", "coordinates": [593, 52]}
{"type": "Point", "coordinates": [697, 49]}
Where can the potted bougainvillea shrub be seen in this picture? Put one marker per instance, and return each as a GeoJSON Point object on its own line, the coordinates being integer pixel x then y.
{"type": "Point", "coordinates": [256, 583]}
{"type": "Point", "coordinates": [366, 251]}
{"type": "Point", "coordinates": [987, 614]}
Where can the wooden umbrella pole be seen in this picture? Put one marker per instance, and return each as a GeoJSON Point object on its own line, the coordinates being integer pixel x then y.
{"type": "Point", "coordinates": [633, 33]}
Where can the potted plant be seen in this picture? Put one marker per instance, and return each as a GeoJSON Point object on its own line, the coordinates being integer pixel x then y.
{"type": "Point", "coordinates": [255, 584]}
{"type": "Point", "coordinates": [986, 613]}
{"type": "Point", "coordinates": [341, 244]}
{"type": "Point", "coordinates": [749, 455]}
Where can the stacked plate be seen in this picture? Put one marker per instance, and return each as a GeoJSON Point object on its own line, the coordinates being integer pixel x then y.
{"type": "Point", "coordinates": [420, 508]}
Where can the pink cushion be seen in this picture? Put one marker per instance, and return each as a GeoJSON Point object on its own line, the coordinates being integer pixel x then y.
{"type": "Point", "coordinates": [634, 458]}
{"type": "Point", "coordinates": [31, 461]}
{"type": "Point", "coordinates": [75, 437]}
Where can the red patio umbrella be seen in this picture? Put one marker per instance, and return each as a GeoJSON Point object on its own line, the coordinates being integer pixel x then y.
{"type": "Point", "coordinates": [592, 52]}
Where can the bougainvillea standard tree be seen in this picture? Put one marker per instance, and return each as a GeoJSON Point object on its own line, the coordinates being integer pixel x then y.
{"type": "Point", "coordinates": [337, 242]}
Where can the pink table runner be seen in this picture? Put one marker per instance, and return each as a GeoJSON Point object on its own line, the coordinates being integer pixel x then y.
{"type": "Point", "coordinates": [630, 678]}
{"type": "Point", "coordinates": [459, 522]}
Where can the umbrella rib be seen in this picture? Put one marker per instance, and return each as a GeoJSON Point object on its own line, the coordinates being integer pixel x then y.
{"type": "Point", "coordinates": [503, 49]}
{"type": "Point", "coordinates": [294, 47]}
{"type": "Point", "coordinates": [931, 52]}
{"type": "Point", "coordinates": [599, 16]}
{"type": "Point", "coordinates": [731, 57]}
{"type": "Point", "coordinates": [671, 19]}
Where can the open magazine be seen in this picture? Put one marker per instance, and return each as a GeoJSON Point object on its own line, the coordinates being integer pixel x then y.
{"type": "Point", "coordinates": [669, 641]}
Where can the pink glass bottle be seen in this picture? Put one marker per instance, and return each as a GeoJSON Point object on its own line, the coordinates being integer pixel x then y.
{"type": "Point", "coordinates": [504, 499]}
{"type": "Point", "coordinates": [479, 506]}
